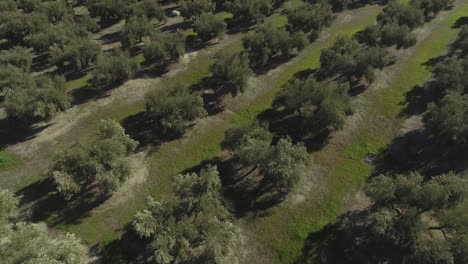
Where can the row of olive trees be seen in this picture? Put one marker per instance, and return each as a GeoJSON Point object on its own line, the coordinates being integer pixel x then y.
{"type": "Point", "coordinates": [174, 109]}
{"type": "Point", "coordinates": [448, 115]}
{"type": "Point", "coordinates": [398, 19]}
{"type": "Point", "coordinates": [42, 27]}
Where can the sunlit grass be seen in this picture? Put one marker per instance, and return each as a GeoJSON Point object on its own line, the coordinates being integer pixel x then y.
{"type": "Point", "coordinates": [7, 161]}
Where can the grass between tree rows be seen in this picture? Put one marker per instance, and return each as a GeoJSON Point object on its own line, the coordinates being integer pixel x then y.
{"type": "Point", "coordinates": [177, 156]}
{"type": "Point", "coordinates": [7, 161]}
{"type": "Point", "coordinates": [286, 229]}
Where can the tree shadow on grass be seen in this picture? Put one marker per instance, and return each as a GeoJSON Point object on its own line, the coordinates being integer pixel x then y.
{"type": "Point", "coordinates": [419, 151]}
{"type": "Point", "coordinates": [273, 63]}
{"type": "Point", "coordinates": [416, 101]}
{"type": "Point", "coordinates": [460, 22]}
{"type": "Point", "coordinates": [244, 190]}
{"type": "Point", "coordinates": [13, 131]}
{"type": "Point", "coordinates": [284, 124]}
{"type": "Point", "coordinates": [315, 243]}
{"type": "Point", "coordinates": [146, 131]}
{"type": "Point", "coordinates": [213, 96]}
{"type": "Point", "coordinates": [48, 206]}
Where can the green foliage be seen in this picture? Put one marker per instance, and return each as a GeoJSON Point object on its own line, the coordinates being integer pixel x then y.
{"type": "Point", "coordinates": [12, 78]}
{"type": "Point", "coordinates": [449, 118]}
{"type": "Point", "coordinates": [38, 101]}
{"type": "Point", "coordinates": [412, 221]}
{"type": "Point", "coordinates": [450, 75]}
{"type": "Point", "coordinates": [174, 109]}
{"type": "Point", "coordinates": [278, 164]}
{"type": "Point", "coordinates": [249, 144]}
{"type": "Point", "coordinates": [8, 5]}
{"type": "Point", "coordinates": [149, 9]}
{"type": "Point", "coordinates": [248, 11]}
{"type": "Point", "coordinates": [61, 34]}
{"type": "Point", "coordinates": [310, 18]}
{"type": "Point", "coordinates": [76, 55]}
{"type": "Point", "coordinates": [350, 59]}
{"type": "Point", "coordinates": [114, 68]}
{"type": "Point", "coordinates": [31, 243]}
{"type": "Point", "coordinates": [88, 23]}
{"type": "Point", "coordinates": [102, 163]}
{"type": "Point", "coordinates": [191, 9]}
{"type": "Point", "coordinates": [194, 218]}
{"type": "Point", "coordinates": [388, 34]}
{"type": "Point", "coordinates": [109, 10]}
{"type": "Point", "coordinates": [56, 10]}
{"type": "Point", "coordinates": [231, 72]}
{"type": "Point", "coordinates": [281, 164]}
{"type": "Point", "coordinates": [208, 26]}
{"type": "Point", "coordinates": [432, 7]}
{"type": "Point", "coordinates": [162, 48]}
{"type": "Point", "coordinates": [319, 105]}
{"type": "Point", "coordinates": [401, 13]}
{"type": "Point", "coordinates": [17, 26]}
{"type": "Point", "coordinates": [134, 30]}
{"type": "Point", "coordinates": [18, 56]}
{"type": "Point", "coordinates": [268, 41]}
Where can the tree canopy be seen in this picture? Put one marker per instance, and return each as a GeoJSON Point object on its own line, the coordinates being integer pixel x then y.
{"type": "Point", "coordinates": [231, 72]}
{"type": "Point", "coordinates": [267, 42]}
{"type": "Point", "coordinates": [194, 219]}
{"type": "Point", "coordinates": [24, 242]}
{"type": "Point", "coordinates": [319, 105]}
{"type": "Point", "coordinates": [102, 163]}
{"type": "Point", "coordinates": [174, 108]}
{"type": "Point", "coordinates": [413, 221]}
{"type": "Point", "coordinates": [278, 164]}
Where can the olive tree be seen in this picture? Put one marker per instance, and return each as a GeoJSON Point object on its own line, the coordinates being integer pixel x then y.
{"type": "Point", "coordinates": [163, 48]}
{"type": "Point", "coordinates": [432, 7]}
{"type": "Point", "coordinates": [310, 18]}
{"type": "Point", "coordinates": [448, 119]}
{"type": "Point", "coordinates": [39, 101]}
{"type": "Point", "coordinates": [18, 56]}
{"type": "Point", "coordinates": [352, 60]}
{"type": "Point", "coordinates": [134, 30]}
{"type": "Point", "coordinates": [148, 8]}
{"type": "Point", "coordinates": [32, 243]}
{"type": "Point", "coordinates": [76, 55]}
{"type": "Point", "coordinates": [109, 10]}
{"type": "Point", "coordinates": [194, 219]}
{"type": "Point", "coordinates": [191, 9]}
{"type": "Point", "coordinates": [13, 78]}
{"type": "Point", "coordinates": [320, 106]}
{"type": "Point", "coordinates": [114, 68]}
{"type": "Point", "coordinates": [278, 164]}
{"type": "Point", "coordinates": [268, 41]}
{"type": "Point", "coordinates": [231, 72]}
{"type": "Point", "coordinates": [174, 109]}
{"type": "Point", "coordinates": [102, 163]}
{"type": "Point", "coordinates": [412, 220]}
{"type": "Point", "coordinates": [248, 11]}
{"type": "Point", "coordinates": [208, 26]}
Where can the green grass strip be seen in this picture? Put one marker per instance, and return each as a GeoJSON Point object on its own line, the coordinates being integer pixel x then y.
{"type": "Point", "coordinates": [7, 161]}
